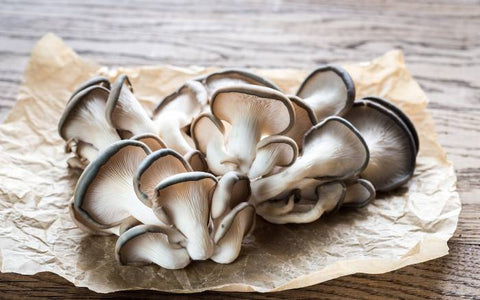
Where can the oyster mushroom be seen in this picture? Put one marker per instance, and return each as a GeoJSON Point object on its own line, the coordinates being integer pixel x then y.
{"type": "Point", "coordinates": [151, 140]}
{"type": "Point", "coordinates": [95, 81]}
{"type": "Point", "coordinates": [232, 189]}
{"type": "Point", "coordinates": [392, 146]}
{"type": "Point", "coordinates": [208, 134]}
{"type": "Point", "coordinates": [156, 167]}
{"type": "Point", "coordinates": [105, 197]}
{"type": "Point", "coordinates": [329, 197]}
{"type": "Point", "coordinates": [230, 231]}
{"type": "Point", "coordinates": [124, 112]}
{"type": "Point", "coordinates": [83, 124]}
{"type": "Point", "coordinates": [184, 199]}
{"type": "Point", "coordinates": [399, 113]}
{"type": "Point", "coordinates": [328, 91]}
{"type": "Point", "coordinates": [272, 151]}
{"type": "Point", "coordinates": [252, 112]}
{"type": "Point", "coordinates": [333, 150]}
{"type": "Point", "coordinates": [304, 120]}
{"type": "Point", "coordinates": [147, 244]}
{"type": "Point", "coordinates": [174, 114]}
{"type": "Point", "coordinates": [233, 77]}
{"type": "Point", "coordinates": [359, 193]}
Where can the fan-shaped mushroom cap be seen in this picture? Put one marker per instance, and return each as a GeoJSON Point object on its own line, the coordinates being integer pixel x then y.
{"type": "Point", "coordinates": [333, 150]}
{"type": "Point", "coordinates": [83, 119]}
{"type": "Point", "coordinates": [329, 91]}
{"type": "Point", "coordinates": [234, 77]}
{"type": "Point", "coordinates": [95, 81]}
{"type": "Point", "coordinates": [104, 196]}
{"type": "Point", "coordinates": [252, 111]}
{"type": "Point", "coordinates": [304, 120]}
{"type": "Point", "coordinates": [232, 189]}
{"type": "Point", "coordinates": [330, 196]}
{"type": "Point", "coordinates": [399, 113]}
{"type": "Point", "coordinates": [359, 193]}
{"type": "Point", "coordinates": [185, 200]}
{"type": "Point", "coordinates": [174, 114]}
{"type": "Point", "coordinates": [230, 232]}
{"type": "Point", "coordinates": [146, 244]}
{"type": "Point", "coordinates": [156, 167]}
{"type": "Point", "coordinates": [208, 135]}
{"type": "Point", "coordinates": [197, 161]}
{"type": "Point", "coordinates": [392, 147]}
{"type": "Point", "coordinates": [124, 112]}
{"type": "Point", "coordinates": [274, 150]}
{"type": "Point", "coordinates": [151, 140]}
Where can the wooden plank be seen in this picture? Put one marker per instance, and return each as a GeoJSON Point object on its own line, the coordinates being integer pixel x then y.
{"type": "Point", "coordinates": [440, 39]}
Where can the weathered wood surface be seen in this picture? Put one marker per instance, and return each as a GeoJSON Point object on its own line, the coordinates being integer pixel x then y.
{"type": "Point", "coordinates": [440, 39]}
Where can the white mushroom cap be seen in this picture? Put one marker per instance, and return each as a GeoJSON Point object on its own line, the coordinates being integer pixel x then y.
{"type": "Point", "coordinates": [329, 91]}
{"type": "Point", "coordinates": [272, 151]}
{"type": "Point", "coordinates": [392, 147]}
{"type": "Point", "coordinates": [359, 193]}
{"type": "Point", "coordinates": [185, 199]}
{"type": "Point", "coordinates": [104, 196]}
{"type": "Point", "coordinates": [174, 114]}
{"type": "Point", "coordinates": [146, 244]}
{"type": "Point", "coordinates": [208, 135]}
{"type": "Point", "coordinates": [330, 196]}
{"type": "Point", "coordinates": [234, 77]}
{"type": "Point", "coordinates": [252, 112]}
{"type": "Point", "coordinates": [333, 150]}
{"type": "Point", "coordinates": [304, 120]}
{"type": "Point", "coordinates": [124, 112]}
{"type": "Point", "coordinates": [230, 232]}
{"type": "Point", "coordinates": [232, 189]}
{"type": "Point", "coordinates": [83, 119]}
{"type": "Point", "coordinates": [156, 167]}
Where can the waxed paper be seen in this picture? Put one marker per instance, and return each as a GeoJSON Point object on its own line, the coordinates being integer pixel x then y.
{"type": "Point", "coordinates": [408, 226]}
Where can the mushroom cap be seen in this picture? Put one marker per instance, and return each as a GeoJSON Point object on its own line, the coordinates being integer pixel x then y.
{"type": "Point", "coordinates": [391, 145]}
{"type": "Point", "coordinates": [146, 244]}
{"type": "Point", "coordinates": [359, 193]}
{"type": "Point", "coordinates": [397, 111]}
{"type": "Point", "coordinates": [185, 199]}
{"type": "Point", "coordinates": [109, 174]}
{"type": "Point", "coordinates": [124, 112]}
{"type": "Point", "coordinates": [274, 150]}
{"type": "Point", "coordinates": [328, 90]}
{"type": "Point", "coordinates": [266, 106]}
{"type": "Point", "coordinates": [151, 140]}
{"type": "Point", "coordinates": [232, 189]}
{"type": "Point", "coordinates": [95, 81]}
{"type": "Point", "coordinates": [156, 167]}
{"type": "Point", "coordinates": [187, 101]}
{"type": "Point", "coordinates": [336, 147]}
{"type": "Point", "coordinates": [208, 135]}
{"type": "Point", "coordinates": [229, 234]}
{"type": "Point", "coordinates": [83, 119]}
{"type": "Point", "coordinates": [197, 161]}
{"type": "Point", "coordinates": [304, 120]}
{"type": "Point", "coordinates": [330, 196]}
{"type": "Point", "coordinates": [234, 77]}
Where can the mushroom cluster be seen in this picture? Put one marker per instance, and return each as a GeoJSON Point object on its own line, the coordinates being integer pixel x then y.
{"type": "Point", "coordinates": [185, 182]}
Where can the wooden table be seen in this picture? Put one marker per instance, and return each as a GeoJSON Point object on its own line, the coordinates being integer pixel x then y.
{"type": "Point", "coordinates": [440, 39]}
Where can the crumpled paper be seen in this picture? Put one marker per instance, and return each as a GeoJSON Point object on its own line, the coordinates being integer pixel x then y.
{"type": "Point", "coordinates": [408, 226]}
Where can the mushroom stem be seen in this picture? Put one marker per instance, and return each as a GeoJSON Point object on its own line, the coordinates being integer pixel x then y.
{"type": "Point", "coordinates": [242, 140]}
{"type": "Point", "coordinates": [169, 131]}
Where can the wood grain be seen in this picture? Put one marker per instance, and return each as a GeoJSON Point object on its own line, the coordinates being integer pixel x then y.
{"type": "Point", "coordinates": [440, 39]}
